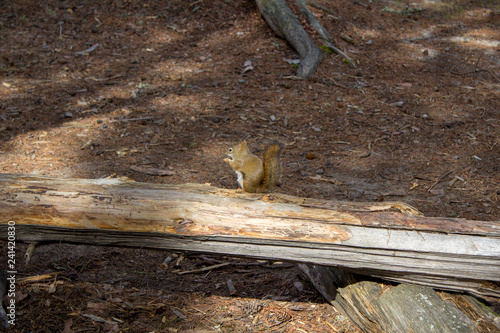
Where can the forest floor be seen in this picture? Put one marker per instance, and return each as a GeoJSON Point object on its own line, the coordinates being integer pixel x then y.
{"type": "Point", "coordinates": [132, 88]}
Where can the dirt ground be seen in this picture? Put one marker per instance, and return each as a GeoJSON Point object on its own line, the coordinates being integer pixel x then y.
{"type": "Point", "coordinates": [95, 89]}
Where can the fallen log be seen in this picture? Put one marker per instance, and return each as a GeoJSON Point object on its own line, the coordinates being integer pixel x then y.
{"type": "Point", "coordinates": [384, 308]}
{"type": "Point", "coordinates": [387, 240]}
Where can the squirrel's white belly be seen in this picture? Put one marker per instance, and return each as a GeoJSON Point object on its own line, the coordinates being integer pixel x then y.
{"type": "Point", "coordinates": [239, 175]}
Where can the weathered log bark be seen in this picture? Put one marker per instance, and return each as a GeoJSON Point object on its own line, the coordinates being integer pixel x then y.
{"type": "Point", "coordinates": [376, 308]}
{"type": "Point", "coordinates": [367, 238]}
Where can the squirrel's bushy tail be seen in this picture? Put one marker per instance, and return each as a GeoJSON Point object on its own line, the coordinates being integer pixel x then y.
{"type": "Point", "coordinates": [271, 167]}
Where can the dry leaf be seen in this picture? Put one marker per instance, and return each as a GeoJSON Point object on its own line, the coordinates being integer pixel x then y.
{"type": "Point", "coordinates": [437, 192]}
{"type": "Point", "coordinates": [67, 326]}
{"type": "Point", "coordinates": [108, 327]}
{"type": "Point", "coordinates": [247, 66]}
{"type": "Point", "coordinates": [96, 306]}
{"type": "Point", "coordinates": [52, 288]}
{"type": "Point", "coordinates": [400, 103]}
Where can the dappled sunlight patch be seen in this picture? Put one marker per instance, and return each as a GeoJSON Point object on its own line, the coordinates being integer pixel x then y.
{"type": "Point", "coordinates": [478, 39]}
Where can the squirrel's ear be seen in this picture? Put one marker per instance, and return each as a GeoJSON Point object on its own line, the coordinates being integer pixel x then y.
{"type": "Point", "coordinates": [243, 143]}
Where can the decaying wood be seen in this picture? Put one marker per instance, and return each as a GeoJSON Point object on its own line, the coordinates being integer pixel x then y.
{"type": "Point", "coordinates": [378, 308]}
{"type": "Point", "coordinates": [388, 240]}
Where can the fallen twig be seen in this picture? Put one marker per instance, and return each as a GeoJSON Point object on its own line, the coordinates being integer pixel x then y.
{"type": "Point", "coordinates": [335, 83]}
{"type": "Point", "coordinates": [98, 319]}
{"type": "Point", "coordinates": [133, 119]}
{"type": "Point", "coordinates": [476, 69]}
{"type": "Point", "coordinates": [327, 180]}
{"type": "Point", "coordinates": [204, 269]}
{"type": "Point", "coordinates": [90, 49]}
{"type": "Point", "coordinates": [439, 179]}
{"type": "Point", "coordinates": [178, 313]}
{"type": "Point", "coordinates": [36, 278]}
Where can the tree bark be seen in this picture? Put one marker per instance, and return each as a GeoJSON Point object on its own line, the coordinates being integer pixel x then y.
{"type": "Point", "coordinates": [284, 23]}
{"type": "Point", "coordinates": [367, 238]}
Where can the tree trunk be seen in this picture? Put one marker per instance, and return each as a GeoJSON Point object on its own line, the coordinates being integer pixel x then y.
{"type": "Point", "coordinates": [284, 23]}
{"type": "Point", "coordinates": [367, 238]}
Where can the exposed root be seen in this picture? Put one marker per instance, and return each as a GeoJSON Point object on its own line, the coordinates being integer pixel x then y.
{"type": "Point", "coordinates": [324, 35]}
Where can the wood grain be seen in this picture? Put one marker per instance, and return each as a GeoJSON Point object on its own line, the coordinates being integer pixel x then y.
{"type": "Point", "coordinates": [389, 240]}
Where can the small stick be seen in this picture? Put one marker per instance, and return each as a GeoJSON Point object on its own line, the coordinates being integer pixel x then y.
{"type": "Point", "coordinates": [476, 69]}
{"type": "Point", "coordinates": [204, 269]}
{"type": "Point", "coordinates": [440, 179]}
{"type": "Point", "coordinates": [90, 49]}
{"type": "Point", "coordinates": [97, 318]}
{"type": "Point", "coordinates": [335, 83]}
{"type": "Point", "coordinates": [178, 313]}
